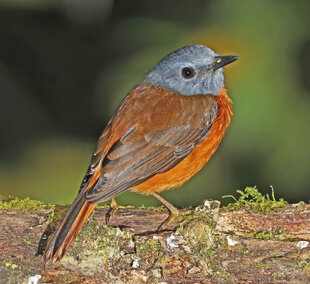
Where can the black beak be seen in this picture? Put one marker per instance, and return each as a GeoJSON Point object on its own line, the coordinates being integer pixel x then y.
{"type": "Point", "coordinates": [221, 61]}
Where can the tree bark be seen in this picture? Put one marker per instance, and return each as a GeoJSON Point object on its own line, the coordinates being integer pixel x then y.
{"type": "Point", "coordinates": [212, 245]}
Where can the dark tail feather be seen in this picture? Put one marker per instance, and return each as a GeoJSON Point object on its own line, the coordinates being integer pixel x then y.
{"type": "Point", "coordinates": [69, 228]}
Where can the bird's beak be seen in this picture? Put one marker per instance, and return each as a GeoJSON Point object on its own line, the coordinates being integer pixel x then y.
{"type": "Point", "coordinates": [221, 61]}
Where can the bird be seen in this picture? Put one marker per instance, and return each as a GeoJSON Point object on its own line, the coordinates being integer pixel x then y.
{"type": "Point", "coordinates": [163, 132]}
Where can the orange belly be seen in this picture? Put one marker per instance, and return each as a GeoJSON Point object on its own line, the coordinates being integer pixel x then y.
{"type": "Point", "coordinates": [197, 158]}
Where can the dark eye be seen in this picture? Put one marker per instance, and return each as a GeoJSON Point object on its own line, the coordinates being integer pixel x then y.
{"type": "Point", "coordinates": [188, 72]}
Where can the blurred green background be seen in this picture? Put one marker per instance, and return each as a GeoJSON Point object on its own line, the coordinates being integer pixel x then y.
{"type": "Point", "coordinates": [66, 64]}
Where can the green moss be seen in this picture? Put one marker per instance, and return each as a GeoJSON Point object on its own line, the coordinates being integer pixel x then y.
{"type": "Point", "coordinates": [28, 242]}
{"type": "Point", "coordinates": [53, 219]}
{"type": "Point", "coordinates": [150, 246]}
{"type": "Point", "coordinates": [274, 235]}
{"type": "Point", "coordinates": [262, 265]}
{"type": "Point", "coordinates": [223, 245]}
{"type": "Point", "coordinates": [160, 208]}
{"type": "Point", "coordinates": [68, 277]}
{"type": "Point", "coordinates": [305, 267]}
{"type": "Point", "coordinates": [97, 245]}
{"type": "Point", "coordinates": [152, 251]}
{"type": "Point", "coordinates": [251, 199]}
{"type": "Point", "coordinates": [12, 273]}
{"type": "Point", "coordinates": [198, 229]}
{"type": "Point", "coordinates": [23, 204]}
{"type": "Point", "coordinates": [259, 235]}
{"type": "Point", "coordinates": [10, 264]}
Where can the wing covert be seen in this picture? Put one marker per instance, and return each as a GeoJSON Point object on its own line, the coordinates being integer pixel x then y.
{"type": "Point", "coordinates": [140, 153]}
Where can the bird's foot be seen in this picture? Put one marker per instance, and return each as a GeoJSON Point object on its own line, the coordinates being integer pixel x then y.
{"type": "Point", "coordinates": [114, 207]}
{"type": "Point", "coordinates": [174, 214]}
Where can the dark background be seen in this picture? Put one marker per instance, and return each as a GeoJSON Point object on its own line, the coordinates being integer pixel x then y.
{"type": "Point", "coordinates": [65, 66]}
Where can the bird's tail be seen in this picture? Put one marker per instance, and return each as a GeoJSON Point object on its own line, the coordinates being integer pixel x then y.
{"type": "Point", "coordinates": [69, 227]}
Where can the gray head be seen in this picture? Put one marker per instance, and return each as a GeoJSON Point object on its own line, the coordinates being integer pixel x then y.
{"type": "Point", "coordinates": [191, 70]}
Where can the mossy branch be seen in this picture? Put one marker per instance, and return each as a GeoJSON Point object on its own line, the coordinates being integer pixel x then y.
{"type": "Point", "coordinates": [256, 239]}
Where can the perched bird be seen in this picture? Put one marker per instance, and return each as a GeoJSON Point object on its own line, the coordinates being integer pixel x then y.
{"type": "Point", "coordinates": [164, 131]}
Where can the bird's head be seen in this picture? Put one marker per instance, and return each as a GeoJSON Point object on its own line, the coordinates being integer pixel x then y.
{"type": "Point", "coordinates": [191, 70]}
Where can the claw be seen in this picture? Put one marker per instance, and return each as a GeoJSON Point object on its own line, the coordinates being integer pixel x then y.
{"type": "Point", "coordinates": [173, 215]}
{"type": "Point", "coordinates": [174, 212]}
{"type": "Point", "coordinates": [114, 208]}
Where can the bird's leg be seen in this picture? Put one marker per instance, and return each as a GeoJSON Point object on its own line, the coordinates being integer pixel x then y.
{"type": "Point", "coordinates": [114, 207]}
{"type": "Point", "coordinates": [174, 212]}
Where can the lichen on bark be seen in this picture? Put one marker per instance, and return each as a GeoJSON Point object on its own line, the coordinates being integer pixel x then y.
{"type": "Point", "coordinates": [212, 245]}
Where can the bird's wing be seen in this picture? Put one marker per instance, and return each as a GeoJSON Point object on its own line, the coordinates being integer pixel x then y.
{"type": "Point", "coordinates": [96, 159]}
{"type": "Point", "coordinates": [151, 132]}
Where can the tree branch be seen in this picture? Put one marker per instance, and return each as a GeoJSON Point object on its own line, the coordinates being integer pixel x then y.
{"type": "Point", "coordinates": [212, 245]}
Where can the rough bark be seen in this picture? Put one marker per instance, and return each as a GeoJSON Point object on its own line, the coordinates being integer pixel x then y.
{"type": "Point", "coordinates": [211, 245]}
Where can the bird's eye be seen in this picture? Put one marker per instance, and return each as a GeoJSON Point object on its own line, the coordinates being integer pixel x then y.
{"type": "Point", "coordinates": [188, 72]}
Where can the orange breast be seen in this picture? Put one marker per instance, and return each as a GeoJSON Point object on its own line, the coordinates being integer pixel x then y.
{"type": "Point", "coordinates": [198, 157]}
